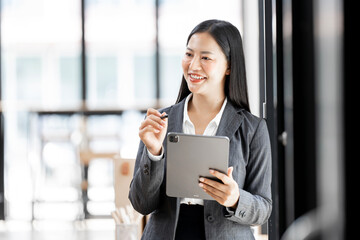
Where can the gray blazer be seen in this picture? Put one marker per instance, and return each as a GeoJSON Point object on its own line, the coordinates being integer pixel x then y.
{"type": "Point", "coordinates": [250, 155]}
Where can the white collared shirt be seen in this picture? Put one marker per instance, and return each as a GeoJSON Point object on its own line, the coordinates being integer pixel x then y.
{"type": "Point", "coordinates": [188, 128]}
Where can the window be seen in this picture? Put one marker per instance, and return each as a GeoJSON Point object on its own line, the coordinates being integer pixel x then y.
{"type": "Point", "coordinates": [40, 53]}
{"type": "Point", "coordinates": [120, 46]}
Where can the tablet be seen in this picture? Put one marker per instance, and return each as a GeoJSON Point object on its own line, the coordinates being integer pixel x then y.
{"type": "Point", "coordinates": [188, 157]}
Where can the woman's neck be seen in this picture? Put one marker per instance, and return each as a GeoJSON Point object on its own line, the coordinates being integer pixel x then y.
{"type": "Point", "coordinates": [202, 104]}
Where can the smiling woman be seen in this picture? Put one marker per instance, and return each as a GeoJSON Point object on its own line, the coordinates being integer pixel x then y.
{"type": "Point", "coordinates": [205, 65]}
{"type": "Point", "coordinates": [220, 48]}
{"type": "Point", "coordinates": [212, 100]}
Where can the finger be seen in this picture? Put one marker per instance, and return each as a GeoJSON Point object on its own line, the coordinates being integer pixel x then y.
{"type": "Point", "coordinates": [211, 189]}
{"type": "Point", "coordinates": [223, 177]}
{"type": "Point", "coordinates": [158, 120]}
{"type": "Point", "coordinates": [152, 111]}
{"type": "Point", "coordinates": [214, 184]}
{"type": "Point", "coordinates": [149, 123]}
{"type": "Point", "coordinates": [230, 171]}
{"type": "Point", "coordinates": [155, 117]}
{"type": "Point", "coordinates": [152, 121]}
{"type": "Point", "coordinates": [148, 129]}
{"type": "Point", "coordinates": [215, 197]}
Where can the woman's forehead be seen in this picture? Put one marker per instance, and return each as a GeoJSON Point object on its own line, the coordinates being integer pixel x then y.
{"type": "Point", "coordinates": [203, 42]}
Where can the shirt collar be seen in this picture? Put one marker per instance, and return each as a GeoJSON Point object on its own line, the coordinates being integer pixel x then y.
{"type": "Point", "coordinates": [216, 119]}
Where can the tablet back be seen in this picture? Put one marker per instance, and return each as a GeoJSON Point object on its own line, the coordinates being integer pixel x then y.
{"type": "Point", "coordinates": [191, 156]}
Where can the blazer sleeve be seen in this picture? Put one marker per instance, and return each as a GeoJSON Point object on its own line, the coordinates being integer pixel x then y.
{"type": "Point", "coordinates": [255, 204]}
{"type": "Point", "coordinates": [144, 193]}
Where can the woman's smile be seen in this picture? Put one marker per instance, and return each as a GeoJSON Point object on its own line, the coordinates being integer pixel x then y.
{"type": "Point", "coordinates": [195, 78]}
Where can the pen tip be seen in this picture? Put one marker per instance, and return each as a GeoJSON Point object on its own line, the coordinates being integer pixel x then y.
{"type": "Point", "coordinates": [164, 116]}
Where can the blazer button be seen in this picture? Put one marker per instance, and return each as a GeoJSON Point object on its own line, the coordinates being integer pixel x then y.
{"type": "Point", "coordinates": [146, 166]}
{"type": "Point", "coordinates": [210, 218]}
{"type": "Point", "coordinates": [146, 171]}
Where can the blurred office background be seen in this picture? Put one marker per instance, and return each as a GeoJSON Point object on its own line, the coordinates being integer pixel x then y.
{"type": "Point", "coordinates": [78, 75]}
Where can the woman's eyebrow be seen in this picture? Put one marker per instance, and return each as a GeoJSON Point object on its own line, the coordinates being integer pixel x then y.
{"type": "Point", "coordinates": [203, 52]}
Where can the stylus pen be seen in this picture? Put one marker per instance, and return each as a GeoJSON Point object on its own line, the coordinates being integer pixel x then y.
{"type": "Point", "coordinates": [165, 116]}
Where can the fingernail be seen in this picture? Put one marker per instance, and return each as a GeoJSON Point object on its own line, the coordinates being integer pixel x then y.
{"type": "Point", "coordinates": [201, 185]}
{"type": "Point", "coordinates": [212, 171]}
{"type": "Point", "coordinates": [201, 179]}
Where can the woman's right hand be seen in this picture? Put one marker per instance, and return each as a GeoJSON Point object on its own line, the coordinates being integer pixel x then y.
{"type": "Point", "coordinates": [152, 131]}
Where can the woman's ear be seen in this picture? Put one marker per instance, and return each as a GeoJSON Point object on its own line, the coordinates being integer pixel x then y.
{"type": "Point", "coordinates": [228, 68]}
{"type": "Point", "coordinates": [227, 71]}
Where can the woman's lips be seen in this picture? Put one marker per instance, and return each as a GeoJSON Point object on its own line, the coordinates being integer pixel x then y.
{"type": "Point", "coordinates": [196, 78]}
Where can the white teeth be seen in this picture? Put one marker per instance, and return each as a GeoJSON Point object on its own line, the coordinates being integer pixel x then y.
{"type": "Point", "coordinates": [196, 77]}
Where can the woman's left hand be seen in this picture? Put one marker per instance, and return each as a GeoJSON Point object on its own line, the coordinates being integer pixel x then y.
{"type": "Point", "coordinates": [226, 193]}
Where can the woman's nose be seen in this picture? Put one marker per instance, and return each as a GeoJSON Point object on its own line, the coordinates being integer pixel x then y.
{"type": "Point", "coordinates": [195, 64]}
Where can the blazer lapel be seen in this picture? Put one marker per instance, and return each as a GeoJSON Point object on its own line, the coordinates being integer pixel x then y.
{"type": "Point", "coordinates": [230, 121]}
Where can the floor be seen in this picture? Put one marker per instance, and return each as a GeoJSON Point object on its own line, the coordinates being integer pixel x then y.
{"type": "Point", "coordinates": [95, 229]}
{"type": "Point", "coordinates": [102, 229]}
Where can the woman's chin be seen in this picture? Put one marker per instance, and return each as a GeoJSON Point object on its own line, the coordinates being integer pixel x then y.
{"type": "Point", "coordinates": [194, 88]}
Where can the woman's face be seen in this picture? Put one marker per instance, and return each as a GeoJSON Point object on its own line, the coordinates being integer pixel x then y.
{"type": "Point", "coordinates": [204, 65]}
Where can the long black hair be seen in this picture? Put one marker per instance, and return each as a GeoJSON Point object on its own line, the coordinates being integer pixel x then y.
{"type": "Point", "coordinates": [229, 39]}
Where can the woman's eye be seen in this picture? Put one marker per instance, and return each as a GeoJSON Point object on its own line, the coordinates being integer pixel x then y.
{"type": "Point", "coordinates": [205, 58]}
{"type": "Point", "coordinates": [188, 54]}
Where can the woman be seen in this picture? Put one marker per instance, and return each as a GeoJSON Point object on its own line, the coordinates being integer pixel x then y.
{"type": "Point", "coordinates": [212, 100]}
